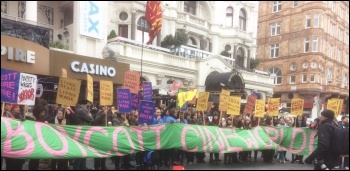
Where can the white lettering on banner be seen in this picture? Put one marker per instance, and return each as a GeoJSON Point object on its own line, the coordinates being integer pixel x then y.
{"type": "Point", "coordinates": [26, 56]}
{"type": "Point", "coordinates": [93, 69]}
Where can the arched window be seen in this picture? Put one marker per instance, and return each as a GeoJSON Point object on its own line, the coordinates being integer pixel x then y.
{"type": "Point", "coordinates": [229, 17]}
{"type": "Point", "coordinates": [329, 75]}
{"type": "Point", "coordinates": [242, 19]}
{"type": "Point", "coordinates": [344, 80]}
{"type": "Point", "coordinates": [142, 24]}
{"type": "Point", "coordinates": [240, 57]}
{"type": "Point", "coordinates": [191, 41]}
{"type": "Point", "coordinates": [277, 73]}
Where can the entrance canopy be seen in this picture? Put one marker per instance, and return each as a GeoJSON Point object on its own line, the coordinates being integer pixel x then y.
{"type": "Point", "coordinates": [230, 80]}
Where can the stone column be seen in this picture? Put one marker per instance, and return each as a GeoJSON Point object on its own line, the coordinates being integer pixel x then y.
{"type": "Point", "coordinates": [248, 60]}
{"type": "Point", "coordinates": [235, 52]}
{"type": "Point", "coordinates": [133, 24]}
{"type": "Point", "coordinates": [31, 11]}
{"type": "Point", "coordinates": [159, 79]}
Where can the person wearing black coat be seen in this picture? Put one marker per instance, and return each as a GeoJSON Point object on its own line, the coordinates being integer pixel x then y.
{"type": "Point", "coordinates": [100, 120]}
{"type": "Point", "coordinates": [324, 156]}
{"type": "Point", "coordinates": [300, 122]}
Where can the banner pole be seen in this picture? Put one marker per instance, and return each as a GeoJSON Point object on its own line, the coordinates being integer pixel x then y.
{"type": "Point", "coordinates": [65, 111]}
{"type": "Point", "coordinates": [220, 118]}
{"type": "Point", "coordinates": [106, 118]}
{"type": "Point", "coordinates": [2, 109]}
{"type": "Point", "coordinates": [258, 121]}
{"type": "Point", "coordinates": [203, 118]}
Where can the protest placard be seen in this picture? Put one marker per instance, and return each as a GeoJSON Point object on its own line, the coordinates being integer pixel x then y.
{"type": "Point", "coordinates": [106, 92]}
{"type": "Point", "coordinates": [124, 100]}
{"type": "Point", "coordinates": [90, 88]}
{"type": "Point", "coordinates": [234, 105]}
{"type": "Point", "coordinates": [273, 106]}
{"type": "Point", "coordinates": [224, 96]}
{"type": "Point", "coordinates": [146, 112]}
{"type": "Point", "coordinates": [68, 91]}
{"type": "Point", "coordinates": [297, 106]}
{"type": "Point", "coordinates": [333, 104]}
{"type": "Point", "coordinates": [132, 81]}
{"type": "Point", "coordinates": [259, 108]}
{"type": "Point", "coordinates": [9, 85]}
{"type": "Point", "coordinates": [202, 102]}
{"type": "Point", "coordinates": [64, 73]}
{"type": "Point", "coordinates": [27, 89]}
{"type": "Point", "coordinates": [147, 91]}
{"type": "Point", "coordinates": [249, 106]}
{"type": "Point", "coordinates": [134, 101]}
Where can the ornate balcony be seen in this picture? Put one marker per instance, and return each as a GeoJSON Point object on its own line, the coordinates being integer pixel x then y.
{"type": "Point", "coordinates": [192, 19]}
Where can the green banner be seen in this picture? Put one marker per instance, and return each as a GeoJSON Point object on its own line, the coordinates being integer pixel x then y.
{"type": "Point", "coordinates": [29, 139]}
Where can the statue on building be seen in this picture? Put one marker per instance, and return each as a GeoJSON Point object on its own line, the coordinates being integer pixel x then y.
{"type": "Point", "coordinates": [317, 105]}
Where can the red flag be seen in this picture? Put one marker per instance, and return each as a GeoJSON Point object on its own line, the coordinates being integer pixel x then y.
{"type": "Point", "coordinates": [154, 17]}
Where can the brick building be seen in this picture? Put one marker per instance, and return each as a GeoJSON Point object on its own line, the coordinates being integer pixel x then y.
{"type": "Point", "coordinates": [304, 45]}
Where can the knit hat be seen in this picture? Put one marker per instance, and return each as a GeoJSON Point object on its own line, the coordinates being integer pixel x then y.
{"type": "Point", "coordinates": [13, 106]}
{"type": "Point", "coordinates": [83, 101]}
{"type": "Point", "coordinates": [329, 114]}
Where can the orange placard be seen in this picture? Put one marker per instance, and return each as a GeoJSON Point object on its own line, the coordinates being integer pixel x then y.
{"type": "Point", "coordinates": [249, 106]}
{"type": "Point", "coordinates": [132, 81]}
{"type": "Point", "coordinates": [273, 106]}
{"type": "Point", "coordinates": [297, 106]}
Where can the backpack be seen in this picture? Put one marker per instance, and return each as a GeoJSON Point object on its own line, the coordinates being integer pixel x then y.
{"type": "Point", "coordinates": [340, 141]}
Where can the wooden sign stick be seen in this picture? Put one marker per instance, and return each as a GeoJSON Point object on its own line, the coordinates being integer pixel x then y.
{"type": "Point", "coordinates": [2, 109]}
{"type": "Point", "coordinates": [258, 121]}
{"type": "Point", "coordinates": [106, 118]}
{"type": "Point", "coordinates": [203, 118]}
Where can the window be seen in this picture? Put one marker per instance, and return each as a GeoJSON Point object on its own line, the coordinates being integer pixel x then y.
{"type": "Point", "coordinates": [347, 39]}
{"type": "Point", "coordinates": [295, 3]}
{"type": "Point", "coordinates": [277, 6]}
{"type": "Point", "coordinates": [339, 55]}
{"type": "Point", "coordinates": [341, 34]}
{"type": "Point", "coordinates": [315, 44]}
{"type": "Point", "coordinates": [334, 6]}
{"type": "Point", "coordinates": [275, 29]}
{"type": "Point", "coordinates": [312, 78]}
{"type": "Point", "coordinates": [274, 50]}
{"type": "Point", "coordinates": [316, 20]}
{"type": "Point", "coordinates": [346, 59]}
{"type": "Point", "coordinates": [320, 79]}
{"type": "Point", "coordinates": [303, 78]}
{"type": "Point", "coordinates": [190, 7]}
{"type": "Point", "coordinates": [123, 16]}
{"type": "Point", "coordinates": [242, 19]}
{"type": "Point", "coordinates": [331, 31]}
{"type": "Point", "coordinates": [306, 45]}
{"type": "Point", "coordinates": [341, 13]}
{"type": "Point", "coordinates": [308, 21]}
{"type": "Point", "coordinates": [330, 51]}
{"type": "Point", "coordinates": [328, 76]}
{"type": "Point", "coordinates": [344, 80]}
{"type": "Point", "coordinates": [123, 30]}
{"type": "Point", "coordinates": [229, 17]}
{"type": "Point", "coordinates": [227, 48]}
{"type": "Point", "coordinates": [292, 79]}
{"type": "Point", "coordinates": [277, 73]}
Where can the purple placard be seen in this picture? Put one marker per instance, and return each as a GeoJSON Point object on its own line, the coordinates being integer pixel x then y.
{"type": "Point", "coordinates": [9, 85]}
{"type": "Point", "coordinates": [146, 112]}
{"type": "Point", "coordinates": [135, 101]}
{"type": "Point", "coordinates": [124, 100]}
{"type": "Point", "coordinates": [147, 91]}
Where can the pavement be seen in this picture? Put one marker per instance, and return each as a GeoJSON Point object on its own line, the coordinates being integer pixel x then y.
{"type": "Point", "coordinates": [258, 165]}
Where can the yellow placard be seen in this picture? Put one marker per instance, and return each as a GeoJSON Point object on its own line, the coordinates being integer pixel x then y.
{"type": "Point", "coordinates": [64, 73]}
{"type": "Point", "coordinates": [297, 106]}
{"type": "Point", "coordinates": [224, 96]}
{"type": "Point", "coordinates": [273, 106]}
{"type": "Point", "coordinates": [106, 93]}
{"type": "Point", "coordinates": [68, 91]}
{"type": "Point", "coordinates": [259, 108]}
{"type": "Point", "coordinates": [340, 107]}
{"type": "Point", "coordinates": [186, 96]}
{"type": "Point", "coordinates": [234, 105]}
{"type": "Point", "coordinates": [333, 104]}
{"type": "Point", "coordinates": [90, 88]}
{"type": "Point", "coordinates": [202, 102]}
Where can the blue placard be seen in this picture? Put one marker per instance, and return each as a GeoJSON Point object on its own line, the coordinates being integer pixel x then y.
{"type": "Point", "coordinates": [9, 85]}
{"type": "Point", "coordinates": [124, 100]}
{"type": "Point", "coordinates": [134, 101]}
{"type": "Point", "coordinates": [146, 112]}
{"type": "Point", "coordinates": [147, 91]}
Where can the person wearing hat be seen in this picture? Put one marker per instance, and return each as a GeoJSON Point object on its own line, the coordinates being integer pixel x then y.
{"type": "Point", "coordinates": [323, 152]}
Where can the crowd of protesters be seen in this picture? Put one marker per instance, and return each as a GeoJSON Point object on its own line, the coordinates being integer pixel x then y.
{"type": "Point", "coordinates": [86, 114]}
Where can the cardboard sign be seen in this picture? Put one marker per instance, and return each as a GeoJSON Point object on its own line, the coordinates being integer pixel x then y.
{"type": "Point", "coordinates": [273, 106]}
{"type": "Point", "coordinates": [194, 99]}
{"type": "Point", "coordinates": [27, 89]}
{"type": "Point", "coordinates": [147, 91]}
{"type": "Point", "coordinates": [124, 100]}
{"type": "Point", "coordinates": [334, 104]}
{"type": "Point", "coordinates": [9, 85]}
{"type": "Point", "coordinates": [297, 106]}
{"type": "Point", "coordinates": [249, 106]}
{"type": "Point", "coordinates": [259, 108]}
{"type": "Point", "coordinates": [106, 93]}
{"type": "Point", "coordinates": [90, 88]}
{"type": "Point", "coordinates": [64, 73]}
{"type": "Point", "coordinates": [132, 81]}
{"type": "Point", "coordinates": [68, 91]}
{"type": "Point", "coordinates": [234, 105]}
{"type": "Point", "coordinates": [146, 112]}
{"type": "Point", "coordinates": [224, 96]}
{"type": "Point", "coordinates": [202, 102]}
{"type": "Point", "coordinates": [186, 96]}
{"type": "Point", "coordinates": [134, 101]}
